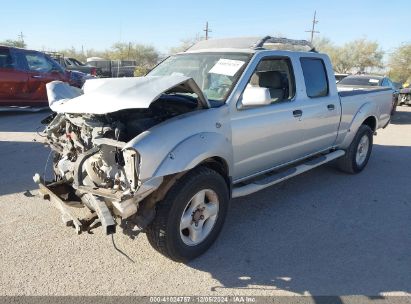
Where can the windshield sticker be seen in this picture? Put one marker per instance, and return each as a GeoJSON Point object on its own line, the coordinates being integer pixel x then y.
{"type": "Point", "coordinates": [226, 67]}
{"type": "Point", "coordinates": [373, 80]}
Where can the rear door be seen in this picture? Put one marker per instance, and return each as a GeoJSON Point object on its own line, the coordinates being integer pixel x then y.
{"type": "Point", "coordinates": [14, 80]}
{"type": "Point", "coordinates": [320, 106]}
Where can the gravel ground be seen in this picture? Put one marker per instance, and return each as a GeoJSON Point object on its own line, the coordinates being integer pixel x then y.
{"type": "Point", "coordinates": [321, 233]}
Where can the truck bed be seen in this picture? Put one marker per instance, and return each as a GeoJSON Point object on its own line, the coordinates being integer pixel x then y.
{"type": "Point", "coordinates": [351, 98]}
{"type": "Point", "coordinates": [345, 91]}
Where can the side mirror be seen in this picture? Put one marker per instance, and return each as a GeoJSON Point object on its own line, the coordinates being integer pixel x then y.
{"type": "Point", "coordinates": [255, 96]}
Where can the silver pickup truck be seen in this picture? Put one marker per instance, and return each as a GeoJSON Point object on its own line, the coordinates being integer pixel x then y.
{"type": "Point", "coordinates": [165, 153]}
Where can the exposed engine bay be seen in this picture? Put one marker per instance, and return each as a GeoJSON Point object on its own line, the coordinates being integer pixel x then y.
{"type": "Point", "coordinates": [89, 158]}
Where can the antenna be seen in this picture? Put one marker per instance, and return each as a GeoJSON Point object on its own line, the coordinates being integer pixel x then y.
{"type": "Point", "coordinates": [21, 37]}
{"type": "Point", "coordinates": [312, 31]}
{"type": "Point", "coordinates": [207, 30]}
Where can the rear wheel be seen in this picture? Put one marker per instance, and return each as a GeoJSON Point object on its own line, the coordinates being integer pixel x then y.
{"type": "Point", "coordinates": [191, 216]}
{"type": "Point", "coordinates": [358, 153]}
{"type": "Point", "coordinates": [394, 107]}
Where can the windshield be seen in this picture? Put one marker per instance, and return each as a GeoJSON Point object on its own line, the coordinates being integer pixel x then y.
{"type": "Point", "coordinates": [360, 81]}
{"type": "Point", "coordinates": [76, 62]}
{"type": "Point", "coordinates": [215, 73]}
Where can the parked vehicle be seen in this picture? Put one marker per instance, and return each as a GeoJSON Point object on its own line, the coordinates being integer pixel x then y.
{"type": "Point", "coordinates": [339, 77]}
{"type": "Point", "coordinates": [78, 79]}
{"type": "Point", "coordinates": [72, 64]}
{"type": "Point", "coordinates": [365, 81]}
{"type": "Point", "coordinates": [166, 152]}
{"type": "Point", "coordinates": [404, 97]}
{"type": "Point", "coordinates": [24, 75]}
{"type": "Point", "coordinates": [113, 68]}
{"type": "Point", "coordinates": [397, 85]}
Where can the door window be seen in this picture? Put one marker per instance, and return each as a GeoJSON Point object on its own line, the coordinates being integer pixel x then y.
{"type": "Point", "coordinates": [276, 75]}
{"type": "Point", "coordinates": [315, 77]}
{"type": "Point", "coordinates": [38, 63]}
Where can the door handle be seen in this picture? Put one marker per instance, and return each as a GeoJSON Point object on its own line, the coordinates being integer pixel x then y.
{"type": "Point", "coordinates": [37, 76]}
{"type": "Point", "coordinates": [330, 107]}
{"type": "Point", "coordinates": [297, 113]}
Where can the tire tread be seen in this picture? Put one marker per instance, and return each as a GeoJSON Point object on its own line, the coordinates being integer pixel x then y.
{"type": "Point", "coordinates": [156, 231]}
{"type": "Point", "coordinates": [346, 163]}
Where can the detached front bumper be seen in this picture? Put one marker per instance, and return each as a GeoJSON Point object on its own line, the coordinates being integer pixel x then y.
{"type": "Point", "coordinates": [95, 199]}
{"type": "Point", "coordinates": [47, 192]}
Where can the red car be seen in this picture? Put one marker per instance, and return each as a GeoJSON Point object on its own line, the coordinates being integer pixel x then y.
{"type": "Point", "coordinates": [24, 74]}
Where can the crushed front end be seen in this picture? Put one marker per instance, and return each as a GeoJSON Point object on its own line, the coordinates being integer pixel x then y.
{"type": "Point", "coordinates": [93, 169]}
{"type": "Point", "coordinates": [93, 165]}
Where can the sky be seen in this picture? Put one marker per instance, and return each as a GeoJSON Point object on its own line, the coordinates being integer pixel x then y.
{"type": "Point", "coordinates": [92, 24]}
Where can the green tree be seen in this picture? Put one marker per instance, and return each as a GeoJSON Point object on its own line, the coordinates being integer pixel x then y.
{"type": "Point", "coordinates": [354, 55]}
{"type": "Point", "coordinates": [184, 45]}
{"type": "Point", "coordinates": [400, 64]}
{"type": "Point", "coordinates": [146, 56]}
{"type": "Point", "coordinates": [74, 53]}
{"type": "Point", "coordinates": [364, 54]}
{"type": "Point", "coordinates": [339, 56]}
{"type": "Point", "coordinates": [14, 43]}
{"type": "Point", "coordinates": [140, 71]}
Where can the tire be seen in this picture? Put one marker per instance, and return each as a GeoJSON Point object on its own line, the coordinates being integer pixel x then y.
{"type": "Point", "coordinates": [165, 233]}
{"type": "Point", "coordinates": [394, 107]}
{"type": "Point", "coordinates": [354, 160]}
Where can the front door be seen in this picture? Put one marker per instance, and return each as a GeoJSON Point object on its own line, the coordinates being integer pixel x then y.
{"type": "Point", "coordinates": [41, 70]}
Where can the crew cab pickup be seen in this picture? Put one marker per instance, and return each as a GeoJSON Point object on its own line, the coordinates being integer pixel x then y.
{"type": "Point", "coordinates": [165, 153]}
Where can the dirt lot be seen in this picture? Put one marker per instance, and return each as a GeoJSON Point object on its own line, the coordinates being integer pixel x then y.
{"type": "Point", "coordinates": [321, 233]}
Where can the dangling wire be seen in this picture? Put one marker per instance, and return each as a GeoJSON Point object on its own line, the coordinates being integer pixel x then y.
{"type": "Point", "coordinates": [38, 132]}
{"type": "Point", "coordinates": [115, 247]}
{"type": "Point", "coordinates": [45, 167]}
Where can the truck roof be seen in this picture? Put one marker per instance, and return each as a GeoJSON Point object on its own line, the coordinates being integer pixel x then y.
{"type": "Point", "coordinates": [17, 48]}
{"type": "Point", "coordinates": [248, 44]}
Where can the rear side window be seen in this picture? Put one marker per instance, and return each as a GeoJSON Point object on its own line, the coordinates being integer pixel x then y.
{"type": "Point", "coordinates": [315, 77]}
{"type": "Point", "coordinates": [6, 61]}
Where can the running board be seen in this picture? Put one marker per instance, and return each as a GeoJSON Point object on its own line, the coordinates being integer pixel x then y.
{"type": "Point", "coordinates": [276, 178]}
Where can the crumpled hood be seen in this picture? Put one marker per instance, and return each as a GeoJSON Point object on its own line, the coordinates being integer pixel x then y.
{"type": "Point", "coordinates": [107, 95]}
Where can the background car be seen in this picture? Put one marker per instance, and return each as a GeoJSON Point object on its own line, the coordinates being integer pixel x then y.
{"type": "Point", "coordinates": [77, 78]}
{"type": "Point", "coordinates": [359, 81]}
{"type": "Point", "coordinates": [72, 64]}
{"type": "Point", "coordinates": [24, 75]}
{"type": "Point", "coordinates": [113, 68]}
{"type": "Point", "coordinates": [339, 77]}
{"type": "Point", "coordinates": [404, 97]}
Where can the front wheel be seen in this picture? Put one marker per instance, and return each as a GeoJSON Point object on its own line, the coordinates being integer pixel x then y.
{"type": "Point", "coordinates": [358, 153]}
{"type": "Point", "coordinates": [191, 216]}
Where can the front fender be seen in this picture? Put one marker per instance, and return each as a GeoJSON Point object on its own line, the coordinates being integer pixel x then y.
{"type": "Point", "coordinates": [369, 109]}
{"type": "Point", "coordinates": [195, 149]}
